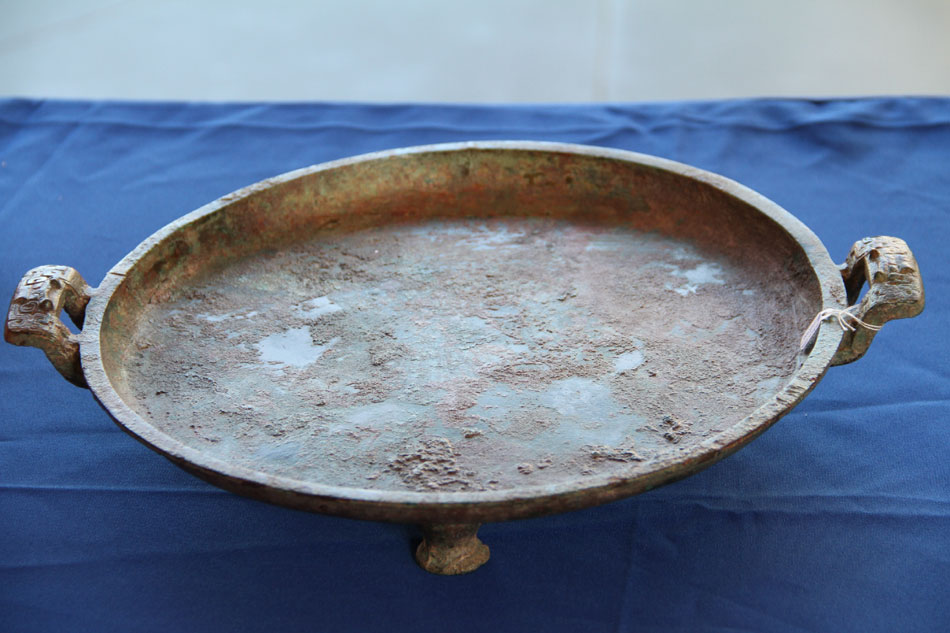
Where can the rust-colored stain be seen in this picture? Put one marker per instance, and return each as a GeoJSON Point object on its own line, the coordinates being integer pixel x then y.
{"type": "Point", "coordinates": [462, 333]}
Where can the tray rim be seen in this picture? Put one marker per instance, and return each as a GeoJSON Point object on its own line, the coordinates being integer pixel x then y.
{"type": "Point", "coordinates": [528, 500]}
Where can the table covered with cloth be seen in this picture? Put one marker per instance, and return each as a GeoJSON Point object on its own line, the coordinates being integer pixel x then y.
{"type": "Point", "coordinates": [836, 519]}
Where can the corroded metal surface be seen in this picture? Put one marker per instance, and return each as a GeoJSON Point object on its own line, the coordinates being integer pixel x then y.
{"type": "Point", "coordinates": [463, 333]}
{"type": "Point", "coordinates": [895, 290]}
{"type": "Point", "coordinates": [461, 355]}
{"type": "Point", "coordinates": [637, 244]}
{"type": "Point", "coordinates": [451, 549]}
{"type": "Point", "coordinates": [33, 317]}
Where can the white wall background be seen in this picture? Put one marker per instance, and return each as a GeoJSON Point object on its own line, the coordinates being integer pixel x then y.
{"type": "Point", "coordinates": [472, 51]}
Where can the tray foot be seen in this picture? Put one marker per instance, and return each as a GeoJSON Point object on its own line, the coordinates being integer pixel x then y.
{"type": "Point", "coordinates": [451, 548]}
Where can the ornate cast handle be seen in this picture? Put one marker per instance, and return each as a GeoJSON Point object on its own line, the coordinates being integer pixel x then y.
{"type": "Point", "coordinates": [33, 318]}
{"type": "Point", "coordinates": [895, 290]}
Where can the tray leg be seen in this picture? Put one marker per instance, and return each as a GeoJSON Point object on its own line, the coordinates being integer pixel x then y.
{"type": "Point", "coordinates": [451, 548]}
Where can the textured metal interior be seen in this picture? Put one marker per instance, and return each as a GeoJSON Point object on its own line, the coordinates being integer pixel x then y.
{"type": "Point", "coordinates": [465, 322]}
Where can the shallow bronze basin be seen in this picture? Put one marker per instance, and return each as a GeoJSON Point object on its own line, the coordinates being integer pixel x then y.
{"type": "Point", "coordinates": [462, 333]}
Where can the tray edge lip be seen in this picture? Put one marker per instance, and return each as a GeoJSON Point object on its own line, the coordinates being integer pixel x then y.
{"type": "Point", "coordinates": [810, 371]}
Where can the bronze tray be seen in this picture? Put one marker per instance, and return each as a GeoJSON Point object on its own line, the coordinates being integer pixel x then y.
{"type": "Point", "coordinates": [462, 333]}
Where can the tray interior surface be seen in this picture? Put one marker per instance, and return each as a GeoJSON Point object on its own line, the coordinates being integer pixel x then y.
{"type": "Point", "coordinates": [464, 354]}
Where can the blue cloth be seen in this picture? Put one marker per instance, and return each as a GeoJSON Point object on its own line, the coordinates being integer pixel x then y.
{"type": "Point", "coordinates": [837, 519]}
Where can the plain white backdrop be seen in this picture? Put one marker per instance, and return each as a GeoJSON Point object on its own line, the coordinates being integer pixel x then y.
{"type": "Point", "coordinates": [472, 51]}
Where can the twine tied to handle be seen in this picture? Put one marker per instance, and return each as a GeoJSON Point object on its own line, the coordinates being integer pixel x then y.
{"type": "Point", "coordinates": [843, 316]}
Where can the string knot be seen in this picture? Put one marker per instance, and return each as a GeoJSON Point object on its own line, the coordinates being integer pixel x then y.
{"type": "Point", "coordinates": [846, 319]}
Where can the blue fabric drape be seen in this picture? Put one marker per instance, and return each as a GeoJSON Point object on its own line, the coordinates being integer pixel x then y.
{"type": "Point", "coordinates": [837, 519]}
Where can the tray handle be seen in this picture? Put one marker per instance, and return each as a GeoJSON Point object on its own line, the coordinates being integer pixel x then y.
{"type": "Point", "coordinates": [33, 318]}
{"type": "Point", "coordinates": [895, 290]}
